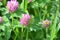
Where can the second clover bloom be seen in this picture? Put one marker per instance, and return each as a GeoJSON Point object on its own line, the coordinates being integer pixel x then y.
{"type": "Point", "coordinates": [1, 19]}
{"type": "Point", "coordinates": [29, 1]}
{"type": "Point", "coordinates": [46, 23]}
{"type": "Point", "coordinates": [0, 0]}
{"type": "Point", "coordinates": [12, 5]}
{"type": "Point", "coordinates": [25, 19]}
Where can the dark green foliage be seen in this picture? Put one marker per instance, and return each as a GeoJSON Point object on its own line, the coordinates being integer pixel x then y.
{"type": "Point", "coordinates": [39, 10]}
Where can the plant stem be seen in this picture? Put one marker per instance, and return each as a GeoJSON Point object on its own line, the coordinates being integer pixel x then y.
{"type": "Point", "coordinates": [53, 29]}
{"type": "Point", "coordinates": [25, 5]}
{"type": "Point", "coordinates": [46, 33]}
{"type": "Point", "coordinates": [12, 19]}
{"type": "Point", "coordinates": [27, 34]}
{"type": "Point", "coordinates": [4, 2]}
{"type": "Point", "coordinates": [45, 12]}
{"type": "Point", "coordinates": [22, 33]}
{"type": "Point", "coordinates": [16, 32]}
{"type": "Point", "coordinates": [35, 11]}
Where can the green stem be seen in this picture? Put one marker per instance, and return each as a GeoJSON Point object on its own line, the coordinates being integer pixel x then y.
{"type": "Point", "coordinates": [22, 33]}
{"type": "Point", "coordinates": [46, 33]}
{"type": "Point", "coordinates": [35, 12]}
{"type": "Point", "coordinates": [16, 32]}
{"type": "Point", "coordinates": [25, 5]}
{"type": "Point", "coordinates": [45, 12]}
{"type": "Point", "coordinates": [27, 34]}
{"type": "Point", "coordinates": [22, 5]}
{"type": "Point", "coordinates": [39, 14]}
{"type": "Point", "coordinates": [53, 29]}
{"type": "Point", "coordinates": [12, 19]}
{"type": "Point", "coordinates": [4, 2]}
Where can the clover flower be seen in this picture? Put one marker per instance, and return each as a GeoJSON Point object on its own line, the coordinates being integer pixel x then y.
{"type": "Point", "coordinates": [12, 5]}
{"type": "Point", "coordinates": [46, 23]}
{"type": "Point", "coordinates": [0, 0]}
{"type": "Point", "coordinates": [29, 1]}
{"type": "Point", "coordinates": [1, 19]}
{"type": "Point", "coordinates": [25, 19]}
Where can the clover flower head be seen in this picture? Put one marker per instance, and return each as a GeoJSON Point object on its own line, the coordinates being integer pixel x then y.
{"type": "Point", "coordinates": [46, 23]}
{"type": "Point", "coordinates": [25, 19]}
{"type": "Point", "coordinates": [29, 1]}
{"type": "Point", "coordinates": [1, 19]}
{"type": "Point", "coordinates": [12, 5]}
